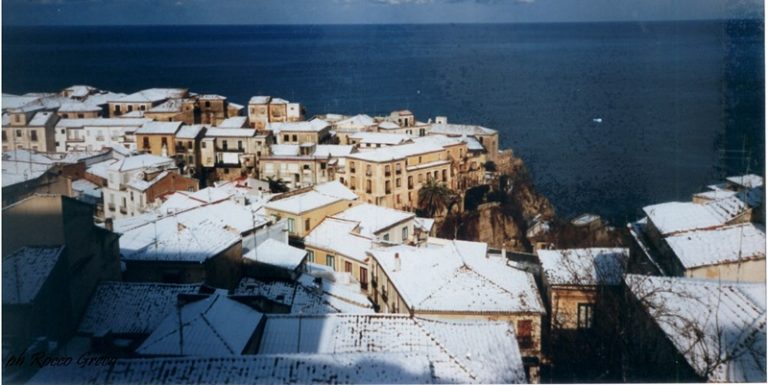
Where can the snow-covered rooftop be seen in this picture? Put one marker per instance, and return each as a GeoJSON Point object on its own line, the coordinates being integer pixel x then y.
{"type": "Point", "coordinates": [355, 122]}
{"type": "Point", "coordinates": [461, 129]}
{"type": "Point", "coordinates": [314, 125]}
{"type": "Point", "coordinates": [321, 195]}
{"type": "Point", "coordinates": [170, 105]}
{"type": "Point", "coordinates": [234, 122]}
{"type": "Point", "coordinates": [337, 235]}
{"type": "Point", "coordinates": [748, 181]}
{"type": "Point", "coordinates": [160, 128]}
{"type": "Point", "coordinates": [719, 327]}
{"type": "Point", "coordinates": [303, 296]}
{"type": "Point", "coordinates": [101, 169]}
{"type": "Point", "coordinates": [584, 267]}
{"type": "Point", "coordinates": [189, 131]}
{"type": "Point", "coordinates": [214, 326]}
{"type": "Point", "coordinates": [41, 118]}
{"type": "Point", "coordinates": [459, 351]}
{"type": "Point", "coordinates": [19, 171]}
{"type": "Point", "coordinates": [260, 100]}
{"type": "Point", "coordinates": [387, 125]}
{"type": "Point", "coordinates": [76, 106]}
{"type": "Point", "coordinates": [214, 132]}
{"type": "Point", "coordinates": [674, 217]}
{"type": "Point", "coordinates": [131, 307]}
{"type": "Point", "coordinates": [169, 239]}
{"type": "Point", "coordinates": [284, 149]}
{"type": "Point", "coordinates": [279, 254]}
{"type": "Point", "coordinates": [329, 150]}
{"type": "Point", "coordinates": [462, 279]}
{"type": "Point", "coordinates": [152, 95]}
{"type": "Point", "coordinates": [374, 219]}
{"type": "Point", "coordinates": [352, 368]}
{"type": "Point", "coordinates": [380, 138]}
{"type": "Point", "coordinates": [102, 122]}
{"type": "Point", "coordinates": [395, 152]}
{"type": "Point", "coordinates": [25, 272]}
{"type": "Point", "coordinates": [141, 161]}
{"type": "Point", "coordinates": [726, 244]}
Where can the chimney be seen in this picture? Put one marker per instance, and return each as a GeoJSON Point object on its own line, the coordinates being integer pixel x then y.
{"type": "Point", "coordinates": [397, 261]}
{"type": "Point", "coordinates": [109, 224]}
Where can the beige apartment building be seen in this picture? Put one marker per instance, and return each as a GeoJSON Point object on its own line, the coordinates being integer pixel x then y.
{"type": "Point", "coordinates": [233, 152]}
{"type": "Point", "coordinates": [392, 176]}
{"type": "Point", "coordinates": [144, 100]}
{"type": "Point", "coordinates": [315, 131]}
{"type": "Point", "coordinates": [263, 110]}
{"type": "Point", "coordinates": [33, 131]}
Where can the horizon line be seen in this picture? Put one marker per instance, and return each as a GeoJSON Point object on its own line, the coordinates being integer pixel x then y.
{"type": "Point", "coordinates": [389, 24]}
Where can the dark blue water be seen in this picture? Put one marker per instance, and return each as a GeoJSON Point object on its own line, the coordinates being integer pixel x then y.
{"type": "Point", "coordinates": [681, 102]}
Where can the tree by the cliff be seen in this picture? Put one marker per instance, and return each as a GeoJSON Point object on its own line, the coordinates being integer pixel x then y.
{"type": "Point", "coordinates": [277, 185]}
{"type": "Point", "coordinates": [435, 197]}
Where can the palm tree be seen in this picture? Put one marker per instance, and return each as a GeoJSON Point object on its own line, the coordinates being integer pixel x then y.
{"type": "Point", "coordinates": [435, 197]}
{"type": "Point", "coordinates": [277, 185]}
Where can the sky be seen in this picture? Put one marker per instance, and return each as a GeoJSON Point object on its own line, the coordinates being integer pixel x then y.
{"type": "Point", "coordinates": [174, 12]}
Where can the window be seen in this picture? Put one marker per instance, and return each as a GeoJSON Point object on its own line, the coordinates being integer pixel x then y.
{"type": "Point", "coordinates": [310, 256]}
{"type": "Point", "coordinates": [352, 167]}
{"type": "Point", "coordinates": [387, 187]}
{"type": "Point", "coordinates": [306, 224]}
{"type": "Point", "coordinates": [286, 138]}
{"type": "Point", "coordinates": [239, 144]}
{"type": "Point", "coordinates": [405, 233]}
{"type": "Point", "coordinates": [224, 145]}
{"type": "Point", "coordinates": [5, 137]}
{"type": "Point", "coordinates": [16, 118]}
{"type": "Point", "coordinates": [445, 175]}
{"type": "Point", "coordinates": [131, 196]}
{"type": "Point", "coordinates": [385, 237]}
{"type": "Point", "coordinates": [142, 107]}
{"type": "Point", "coordinates": [65, 116]}
{"type": "Point", "coordinates": [525, 334]}
{"type": "Point", "coordinates": [387, 170]}
{"type": "Point", "coordinates": [202, 144]}
{"type": "Point", "coordinates": [164, 142]}
{"type": "Point", "coordinates": [585, 314]}
{"type": "Point", "coordinates": [130, 108]}
{"type": "Point", "coordinates": [347, 267]}
{"type": "Point", "coordinates": [398, 169]}
{"type": "Point", "coordinates": [329, 261]}
{"type": "Point", "coordinates": [145, 143]}
{"type": "Point", "coordinates": [290, 225]}
{"type": "Point", "coordinates": [207, 104]}
{"type": "Point", "coordinates": [397, 182]}
{"type": "Point", "coordinates": [117, 108]}
{"type": "Point", "coordinates": [363, 278]}
{"type": "Point", "coordinates": [368, 170]}
{"type": "Point", "coordinates": [421, 178]}
{"type": "Point", "coordinates": [368, 186]}
{"type": "Point", "coordinates": [410, 182]}
{"type": "Point", "coordinates": [81, 116]}
{"type": "Point", "coordinates": [18, 133]}
{"type": "Point", "coordinates": [295, 138]}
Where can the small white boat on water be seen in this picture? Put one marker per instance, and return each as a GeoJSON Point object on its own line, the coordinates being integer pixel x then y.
{"type": "Point", "coordinates": [597, 120]}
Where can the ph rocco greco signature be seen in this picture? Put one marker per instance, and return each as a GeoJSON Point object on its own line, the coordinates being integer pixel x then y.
{"type": "Point", "coordinates": [41, 360]}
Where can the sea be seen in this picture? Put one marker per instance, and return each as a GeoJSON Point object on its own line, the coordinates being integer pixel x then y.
{"type": "Point", "coordinates": [608, 117]}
